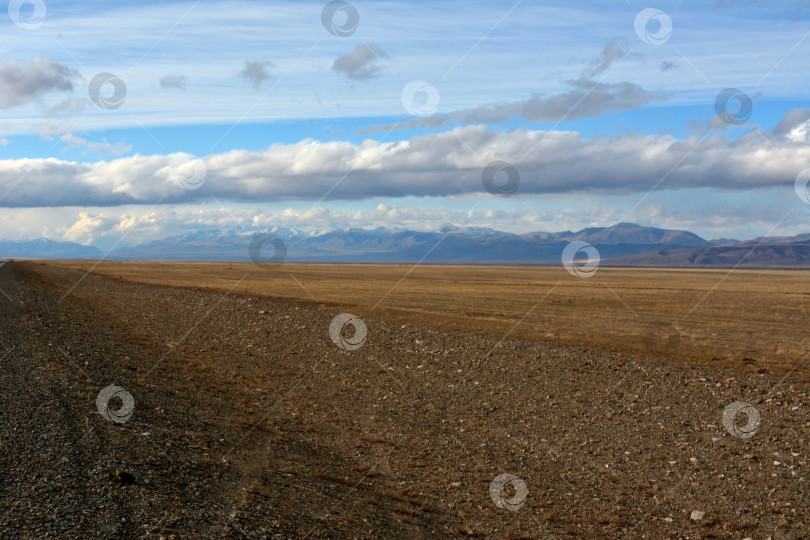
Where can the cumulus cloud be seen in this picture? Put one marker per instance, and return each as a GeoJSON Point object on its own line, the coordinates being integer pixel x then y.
{"type": "Point", "coordinates": [257, 72]}
{"type": "Point", "coordinates": [85, 229]}
{"type": "Point", "coordinates": [362, 63]}
{"type": "Point", "coordinates": [585, 98]}
{"type": "Point", "coordinates": [439, 165]}
{"type": "Point", "coordinates": [173, 81]}
{"type": "Point", "coordinates": [23, 83]}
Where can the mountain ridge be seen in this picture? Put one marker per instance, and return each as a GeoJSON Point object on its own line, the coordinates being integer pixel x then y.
{"type": "Point", "coordinates": [622, 244]}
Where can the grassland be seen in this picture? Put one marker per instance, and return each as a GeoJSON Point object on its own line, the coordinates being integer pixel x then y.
{"type": "Point", "coordinates": [751, 318]}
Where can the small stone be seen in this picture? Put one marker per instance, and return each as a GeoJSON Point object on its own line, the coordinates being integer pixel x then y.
{"type": "Point", "coordinates": [697, 515]}
{"type": "Point", "coordinates": [668, 519]}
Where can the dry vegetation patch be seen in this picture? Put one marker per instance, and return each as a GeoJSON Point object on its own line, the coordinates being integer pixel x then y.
{"type": "Point", "coordinates": [750, 319]}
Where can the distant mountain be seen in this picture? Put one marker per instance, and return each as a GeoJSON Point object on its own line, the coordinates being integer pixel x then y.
{"type": "Point", "coordinates": [723, 241]}
{"type": "Point", "coordinates": [781, 239]}
{"type": "Point", "coordinates": [624, 244]}
{"type": "Point", "coordinates": [743, 254]}
{"type": "Point", "coordinates": [46, 249]}
{"type": "Point", "coordinates": [632, 234]}
{"type": "Point", "coordinates": [451, 245]}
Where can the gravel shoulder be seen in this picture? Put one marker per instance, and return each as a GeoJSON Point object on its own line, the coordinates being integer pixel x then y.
{"type": "Point", "coordinates": [249, 422]}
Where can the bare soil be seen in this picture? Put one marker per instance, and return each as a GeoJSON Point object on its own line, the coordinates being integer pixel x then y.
{"type": "Point", "coordinates": [250, 422]}
{"type": "Point", "coordinates": [746, 319]}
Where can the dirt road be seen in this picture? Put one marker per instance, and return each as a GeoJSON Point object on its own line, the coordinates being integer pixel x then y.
{"type": "Point", "coordinates": [248, 421]}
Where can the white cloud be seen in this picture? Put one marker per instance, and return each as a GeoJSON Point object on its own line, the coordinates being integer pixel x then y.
{"type": "Point", "coordinates": [130, 225]}
{"type": "Point", "coordinates": [85, 230]}
{"type": "Point", "coordinates": [103, 147]}
{"type": "Point", "coordinates": [438, 165]}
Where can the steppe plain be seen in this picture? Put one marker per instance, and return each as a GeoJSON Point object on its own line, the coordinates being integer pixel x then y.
{"type": "Point", "coordinates": [604, 396]}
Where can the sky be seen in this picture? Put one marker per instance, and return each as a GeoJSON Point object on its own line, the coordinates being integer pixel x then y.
{"type": "Point", "coordinates": [122, 123]}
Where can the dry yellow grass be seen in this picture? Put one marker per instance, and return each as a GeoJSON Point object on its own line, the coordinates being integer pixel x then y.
{"type": "Point", "coordinates": [753, 318]}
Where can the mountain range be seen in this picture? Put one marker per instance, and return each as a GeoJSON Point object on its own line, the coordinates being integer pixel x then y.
{"type": "Point", "coordinates": [624, 244]}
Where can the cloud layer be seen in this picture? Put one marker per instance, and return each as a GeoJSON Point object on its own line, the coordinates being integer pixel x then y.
{"type": "Point", "coordinates": [439, 165]}
{"type": "Point", "coordinates": [585, 97]}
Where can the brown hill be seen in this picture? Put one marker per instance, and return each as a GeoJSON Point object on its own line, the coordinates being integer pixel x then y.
{"type": "Point", "coordinates": [745, 254]}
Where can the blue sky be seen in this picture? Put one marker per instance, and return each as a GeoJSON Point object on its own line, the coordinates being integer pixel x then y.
{"type": "Point", "coordinates": [249, 115]}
